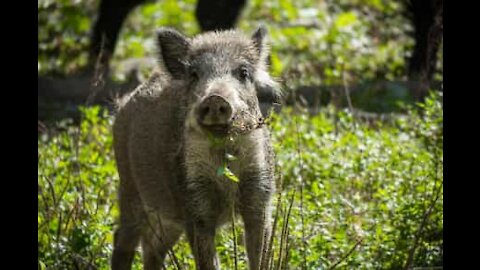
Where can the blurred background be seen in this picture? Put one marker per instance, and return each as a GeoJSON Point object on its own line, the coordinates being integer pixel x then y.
{"type": "Point", "coordinates": [359, 139]}
{"type": "Point", "coordinates": [386, 51]}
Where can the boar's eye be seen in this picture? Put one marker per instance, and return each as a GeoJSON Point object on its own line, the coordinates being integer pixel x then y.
{"type": "Point", "coordinates": [244, 73]}
{"type": "Point", "coordinates": [193, 73]}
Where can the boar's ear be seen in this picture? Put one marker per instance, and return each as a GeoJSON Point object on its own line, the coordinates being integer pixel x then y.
{"type": "Point", "coordinates": [269, 94]}
{"type": "Point", "coordinates": [172, 47]}
{"type": "Point", "coordinates": [260, 42]}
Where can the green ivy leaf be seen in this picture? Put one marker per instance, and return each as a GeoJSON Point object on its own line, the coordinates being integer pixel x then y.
{"type": "Point", "coordinates": [230, 175]}
{"type": "Point", "coordinates": [224, 170]}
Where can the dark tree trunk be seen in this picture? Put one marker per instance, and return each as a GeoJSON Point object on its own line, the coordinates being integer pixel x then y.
{"type": "Point", "coordinates": [211, 15]}
{"type": "Point", "coordinates": [218, 14]}
{"type": "Point", "coordinates": [111, 15]}
{"type": "Point", "coordinates": [427, 19]}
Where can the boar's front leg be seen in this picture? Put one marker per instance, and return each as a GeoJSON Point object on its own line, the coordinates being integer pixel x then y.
{"type": "Point", "coordinates": [202, 242]}
{"type": "Point", "coordinates": [255, 199]}
{"type": "Point", "coordinates": [201, 218]}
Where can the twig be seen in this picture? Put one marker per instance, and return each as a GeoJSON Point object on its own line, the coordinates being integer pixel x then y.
{"type": "Point", "coordinates": [46, 207]}
{"type": "Point", "coordinates": [286, 217]}
{"type": "Point", "coordinates": [100, 246]}
{"type": "Point", "coordinates": [98, 82]}
{"type": "Point", "coordinates": [347, 91]}
{"type": "Point", "coordinates": [279, 261]}
{"type": "Point", "coordinates": [59, 228]}
{"type": "Point", "coordinates": [300, 158]}
{"type": "Point", "coordinates": [346, 255]}
{"type": "Point", "coordinates": [52, 191]}
{"type": "Point", "coordinates": [42, 128]}
{"type": "Point", "coordinates": [170, 251]}
{"type": "Point", "coordinates": [426, 214]}
{"type": "Point", "coordinates": [272, 237]}
{"type": "Point", "coordinates": [287, 249]}
{"type": "Point", "coordinates": [234, 240]}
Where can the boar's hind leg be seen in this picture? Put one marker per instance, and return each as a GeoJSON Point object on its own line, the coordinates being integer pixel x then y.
{"type": "Point", "coordinates": [127, 236]}
{"type": "Point", "coordinates": [126, 239]}
{"type": "Point", "coordinates": [156, 244]}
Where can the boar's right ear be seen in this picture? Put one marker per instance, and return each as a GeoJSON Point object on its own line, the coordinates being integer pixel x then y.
{"type": "Point", "coordinates": [173, 47]}
{"type": "Point", "coordinates": [259, 40]}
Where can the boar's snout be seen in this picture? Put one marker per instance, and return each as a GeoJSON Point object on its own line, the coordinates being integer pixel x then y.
{"type": "Point", "coordinates": [215, 114]}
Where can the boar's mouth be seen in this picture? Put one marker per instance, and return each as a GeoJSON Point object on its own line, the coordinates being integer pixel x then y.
{"type": "Point", "coordinates": [239, 125]}
{"type": "Point", "coordinates": [218, 130]}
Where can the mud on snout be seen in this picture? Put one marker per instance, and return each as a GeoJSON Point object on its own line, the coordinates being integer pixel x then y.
{"type": "Point", "coordinates": [220, 116]}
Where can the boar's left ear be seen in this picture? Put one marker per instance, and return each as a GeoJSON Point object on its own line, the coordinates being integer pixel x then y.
{"type": "Point", "coordinates": [269, 93]}
{"type": "Point", "coordinates": [173, 47]}
{"type": "Point", "coordinates": [260, 42]}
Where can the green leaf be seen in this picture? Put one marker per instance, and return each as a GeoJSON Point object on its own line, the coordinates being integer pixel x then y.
{"type": "Point", "coordinates": [220, 171]}
{"type": "Point", "coordinates": [42, 265]}
{"type": "Point", "coordinates": [224, 170]}
{"type": "Point", "coordinates": [345, 19]}
{"type": "Point", "coordinates": [229, 174]}
{"type": "Point", "coordinates": [277, 66]}
{"type": "Point", "coordinates": [230, 157]}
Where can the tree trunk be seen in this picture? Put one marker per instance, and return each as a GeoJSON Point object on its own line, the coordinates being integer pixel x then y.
{"type": "Point", "coordinates": [427, 19]}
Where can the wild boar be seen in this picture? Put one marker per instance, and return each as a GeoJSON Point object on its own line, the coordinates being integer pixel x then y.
{"type": "Point", "coordinates": [191, 149]}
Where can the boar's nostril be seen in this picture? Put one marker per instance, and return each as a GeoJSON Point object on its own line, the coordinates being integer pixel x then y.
{"type": "Point", "coordinates": [223, 110]}
{"type": "Point", "coordinates": [204, 111]}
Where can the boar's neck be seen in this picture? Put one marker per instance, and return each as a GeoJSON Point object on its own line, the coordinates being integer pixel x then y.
{"type": "Point", "coordinates": [203, 157]}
